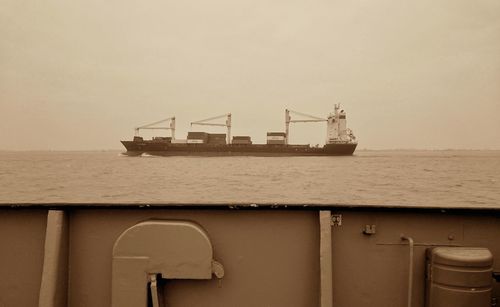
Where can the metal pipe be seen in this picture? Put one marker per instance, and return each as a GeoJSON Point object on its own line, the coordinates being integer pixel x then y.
{"type": "Point", "coordinates": [172, 127]}
{"type": "Point", "coordinates": [53, 279]}
{"type": "Point", "coordinates": [228, 123]}
{"type": "Point", "coordinates": [410, 269]}
{"type": "Point", "coordinates": [325, 258]}
{"type": "Point", "coordinates": [287, 125]}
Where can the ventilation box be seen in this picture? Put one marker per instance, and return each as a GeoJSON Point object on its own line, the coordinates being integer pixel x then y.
{"type": "Point", "coordinates": [459, 277]}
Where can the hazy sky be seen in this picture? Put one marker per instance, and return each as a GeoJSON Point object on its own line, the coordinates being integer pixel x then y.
{"type": "Point", "coordinates": [410, 74]}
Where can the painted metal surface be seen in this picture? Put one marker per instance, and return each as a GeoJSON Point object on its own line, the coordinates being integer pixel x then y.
{"type": "Point", "coordinates": [22, 236]}
{"type": "Point", "coordinates": [167, 249]}
{"type": "Point", "coordinates": [52, 288]}
{"type": "Point", "coordinates": [411, 243]}
{"type": "Point", "coordinates": [459, 276]}
{"type": "Point", "coordinates": [271, 256]}
{"type": "Point", "coordinates": [325, 258]}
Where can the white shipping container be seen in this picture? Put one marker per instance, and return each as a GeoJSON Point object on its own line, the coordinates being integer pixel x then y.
{"type": "Point", "coordinates": [195, 141]}
{"type": "Point", "coordinates": [179, 141]}
{"type": "Point", "coordinates": [275, 138]}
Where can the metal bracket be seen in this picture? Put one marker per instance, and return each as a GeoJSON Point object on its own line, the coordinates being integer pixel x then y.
{"type": "Point", "coordinates": [336, 220]}
{"type": "Point", "coordinates": [369, 230]}
{"type": "Point", "coordinates": [217, 269]}
{"type": "Point", "coordinates": [156, 296]}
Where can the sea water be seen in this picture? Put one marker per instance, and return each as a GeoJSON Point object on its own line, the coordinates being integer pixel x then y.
{"type": "Point", "coordinates": [389, 178]}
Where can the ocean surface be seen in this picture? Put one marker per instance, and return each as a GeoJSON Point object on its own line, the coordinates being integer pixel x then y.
{"type": "Point", "coordinates": [416, 178]}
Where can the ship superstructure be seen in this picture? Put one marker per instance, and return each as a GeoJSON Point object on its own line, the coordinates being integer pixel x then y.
{"type": "Point", "coordinates": [339, 139]}
{"type": "Point", "coordinates": [336, 129]}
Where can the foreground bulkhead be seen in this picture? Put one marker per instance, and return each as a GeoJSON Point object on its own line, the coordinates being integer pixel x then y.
{"type": "Point", "coordinates": [137, 255]}
{"type": "Point", "coordinates": [340, 140]}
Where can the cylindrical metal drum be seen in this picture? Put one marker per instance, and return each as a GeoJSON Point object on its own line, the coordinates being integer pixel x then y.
{"type": "Point", "coordinates": [459, 277]}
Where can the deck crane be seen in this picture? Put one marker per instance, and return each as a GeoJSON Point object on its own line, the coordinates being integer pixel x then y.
{"type": "Point", "coordinates": [288, 120]}
{"type": "Point", "coordinates": [171, 127]}
{"type": "Point", "coordinates": [203, 122]}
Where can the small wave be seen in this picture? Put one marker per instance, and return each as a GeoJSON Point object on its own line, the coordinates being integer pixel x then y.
{"type": "Point", "coordinates": [127, 154]}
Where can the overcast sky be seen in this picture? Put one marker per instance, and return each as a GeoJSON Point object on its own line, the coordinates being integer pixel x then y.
{"type": "Point", "coordinates": [80, 75]}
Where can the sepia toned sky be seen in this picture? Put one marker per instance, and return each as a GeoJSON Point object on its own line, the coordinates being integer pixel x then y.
{"type": "Point", "coordinates": [80, 75]}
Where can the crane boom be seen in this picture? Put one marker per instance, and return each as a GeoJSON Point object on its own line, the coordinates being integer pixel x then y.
{"type": "Point", "coordinates": [171, 127]}
{"type": "Point", "coordinates": [288, 120]}
{"type": "Point", "coordinates": [203, 122]}
{"type": "Point", "coordinates": [315, 118]}
{"type": "Point", "coordinates": [208, 124]}
{"type": "Point", "coordinates": [211, 118]}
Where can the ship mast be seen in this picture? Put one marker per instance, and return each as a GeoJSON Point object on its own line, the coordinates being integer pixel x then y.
{"type": "Point", "coordinates": [288, 120]}
{"type": "Point", "coordinates": [203, 122]}
{"type": "Point", "coordinates": [171, 127]}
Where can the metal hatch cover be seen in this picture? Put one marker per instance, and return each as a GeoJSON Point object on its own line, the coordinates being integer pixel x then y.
{"type": "Point", "coordinates": [171, 249]}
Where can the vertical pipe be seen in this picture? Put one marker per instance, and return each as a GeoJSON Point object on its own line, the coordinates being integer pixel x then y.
{"type": "Point", "coordinates": [287, 125]}
{"type": "Point", "coordinates": [410, 269]}
{"type": "Point", "coordinates": [54, 262]}
{"type": "Point", "coordinates": [154, 291]}
{"type": "Point", "coordinates": [172, 127]}
{"type": "Point", "coordinates": [325, 259]}
{"type": "Point", "coordinates": [228, 123]}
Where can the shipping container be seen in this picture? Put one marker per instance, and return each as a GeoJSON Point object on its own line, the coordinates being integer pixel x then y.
{"type": "Point", "coordinates": [242, 137]}
{"type": "Point", "coordinates": [197, 135]}
{"type": "Point", "coordinates": [275, 138]}
{"type": "Point", "coordinates": [217, 135]}
{"type": "Point", "coordinates": [283, 134]}
{"type": "Point", "coordinates": [217, 138]}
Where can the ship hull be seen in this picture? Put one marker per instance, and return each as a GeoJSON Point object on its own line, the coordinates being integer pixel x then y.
{"type": "Point", "coordinates": [168, 149]}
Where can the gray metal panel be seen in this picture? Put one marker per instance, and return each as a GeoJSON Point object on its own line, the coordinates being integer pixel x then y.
{"type": "Point", "coordinates": [53, 287]}
{"type": "Point", "coordinates": [22, 236]}
{"type": "Point", "coordinates": [271, 258]}
{"type": "Point", "coordinates": [270, 255]}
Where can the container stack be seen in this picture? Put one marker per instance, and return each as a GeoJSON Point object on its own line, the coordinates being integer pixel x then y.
{"type": "Point", "coordinates": [217, 138]}
{"type": "Point", "coordinates": [197, 138]}
{"type": "Point", "coordinates": [242, 140]}
{"type": "Point", "coordinates": [276, 138]}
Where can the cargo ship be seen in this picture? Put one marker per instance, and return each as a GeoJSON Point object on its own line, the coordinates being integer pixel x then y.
{"type": "Point", "coordinates": [340, 140]}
